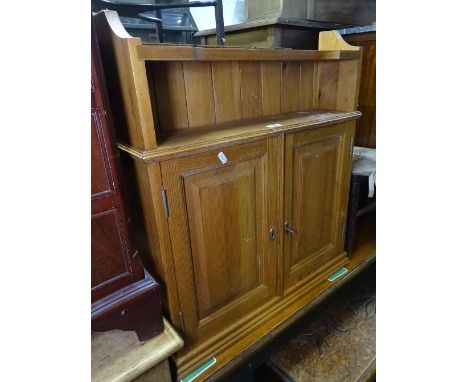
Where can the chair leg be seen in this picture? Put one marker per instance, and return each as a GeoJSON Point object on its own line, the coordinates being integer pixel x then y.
{"type": "Point", "coordinates": [351, 222]}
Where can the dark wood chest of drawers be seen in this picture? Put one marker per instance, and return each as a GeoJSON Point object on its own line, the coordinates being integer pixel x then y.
{"type": "Point", "coordinates": [123, 295]}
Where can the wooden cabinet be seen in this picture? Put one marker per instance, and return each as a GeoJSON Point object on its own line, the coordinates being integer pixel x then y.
{"type": "Point", "coordinates": [221, 206]}
{"type": "Point", "coordinates": [113, 265]}
{"type": "Point", "coordinates": [235, 263]}
{"type": "Point", "coordinates": [354, 12]}
{"type": "Point", "coordinates": [235, 260]}
{"type": "Point", "coordinates": [123, 295]}
{"type": "Point", "coordinates": [110, 264]}
{"type": "Point", "coordinates": [365, 127]}
{"type": "Point", "coordinates": [224, 146]}
{"type": "Point", "coordinates": [316, 175]}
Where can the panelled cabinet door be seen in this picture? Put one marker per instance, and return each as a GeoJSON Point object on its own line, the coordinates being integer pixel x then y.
{"type": "Point", "coordinates": [222, 205]}
{"type": "Point", "coordinates": [317, 164]}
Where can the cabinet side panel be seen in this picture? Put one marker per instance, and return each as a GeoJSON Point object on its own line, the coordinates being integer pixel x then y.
{"type": "Point", "coordinates": [365, 127]}
{"type": "Point", "coordinates": [144, 184]}
{"type": "Point", "coordinates": [348, 85]}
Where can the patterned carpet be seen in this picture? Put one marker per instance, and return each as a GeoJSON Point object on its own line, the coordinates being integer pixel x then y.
{"type": "Point", "coordinates": [339, 345]}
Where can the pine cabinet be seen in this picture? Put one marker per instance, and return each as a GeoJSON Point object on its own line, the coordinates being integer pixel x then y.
{"type": "Point", "coordinates": [239, 162]}
{"type": "Point", "coordinates": [228, 228]}
{"type": "Point", "coordinates": [252, 224]}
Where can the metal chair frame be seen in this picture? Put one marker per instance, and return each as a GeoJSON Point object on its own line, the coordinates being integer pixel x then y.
{"type": "Point", "coordinates": [141, 11]}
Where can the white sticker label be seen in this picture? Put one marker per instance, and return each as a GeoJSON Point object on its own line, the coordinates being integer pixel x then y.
{"type": "Point", "coordinates": [222, 158]}
{"type": "Point", "coordinates": [274, 125]}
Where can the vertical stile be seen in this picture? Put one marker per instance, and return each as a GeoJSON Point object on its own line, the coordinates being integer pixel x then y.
{"type": "Point", "coordinates": [307, 85]}
{"type": "Point", "coordinates": [226, 90]}
{"type": "Point", "coordinates": [199, 93]}
{"type": "Point", "coordinates": [271, 87]}
{"type": "Point", "coordinates": [290, 86]}
{"type": "Point", "coordinates": [251, 89]}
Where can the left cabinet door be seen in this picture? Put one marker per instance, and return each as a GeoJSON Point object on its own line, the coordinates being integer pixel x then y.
{"type": "Point", "coordinates": [222, 205]}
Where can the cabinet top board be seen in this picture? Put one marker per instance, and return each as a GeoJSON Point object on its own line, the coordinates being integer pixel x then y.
{"type": "Point", "coordinates": [178, 52]}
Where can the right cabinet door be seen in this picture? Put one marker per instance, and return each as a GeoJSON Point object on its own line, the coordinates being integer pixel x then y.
{"type": "Point", "coordinates": [317, 171]}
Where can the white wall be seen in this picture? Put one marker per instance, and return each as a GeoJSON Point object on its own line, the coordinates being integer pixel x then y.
{"type": "Point", "coordinates": [233, 12]}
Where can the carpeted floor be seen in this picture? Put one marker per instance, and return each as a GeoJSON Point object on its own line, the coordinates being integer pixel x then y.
{"type": "Point", "coordinates": [339, 343]}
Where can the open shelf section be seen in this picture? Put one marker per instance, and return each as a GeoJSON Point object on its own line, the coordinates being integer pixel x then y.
{"type": "Point", "coordinates": [162, 90]}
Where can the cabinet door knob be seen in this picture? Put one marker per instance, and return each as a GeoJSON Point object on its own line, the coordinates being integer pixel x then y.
{"type": "Point", "coordinates": [288, 228]}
